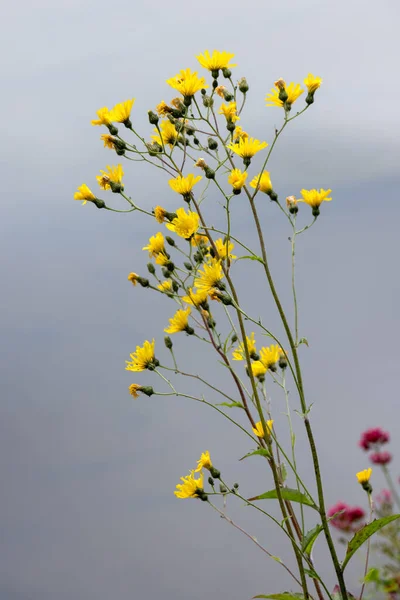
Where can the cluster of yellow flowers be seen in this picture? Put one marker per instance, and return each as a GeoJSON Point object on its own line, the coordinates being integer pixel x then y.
{"type": "Point", "coordinates": [193, 487]}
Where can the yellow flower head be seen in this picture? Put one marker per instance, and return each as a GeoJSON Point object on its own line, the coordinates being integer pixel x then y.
{"type": "Point", "coordinates": [179, 322]}
{"type": "Point", "coordinates": [293, 91]}
{"type": "Point", "coordinates": [195, 298]}
{"type": "Point", "coordinates": [133, 278]}
{"type": "Point", "coordinates": [190, 486]}
{"type": "Point", "coordinates": [270, 355]}
{"type": "Point", "coordinates": [184, 224]}
{"type": "Point", "coordinates": [114, 176]}
{"type": "Point", "coordinates": [239, 133]}
{"type": "Point", "coordinates": [104, 117]}
{"type": "Point", "coordinates": [187, 83]}
{"type": "Point", "coordinates": [109, 141]}
{"type": "Point", "coordinates": [162, 259]}
{"type": "Point", "coordinates": [259, 430]}
{"type": "Point", "coordinates": [312, 83]}
{"type": "Point", "coordinates": [210, 276]}
{"type": "Point", "coordinates": [224, 249]}
{"type": "Point", "coordinates": [215, 61]}
{"type": "Point", "coordinates": [156, 244]}
{"type": "Point", "coordinates": [199, 240]}
{"type": "Point", "coordinates": [168, 134]}
{"type": "Point", "coordinates": [204, 462]}
{"type": "Point", "coordinates": [122, 111]}
{"type": "Point", "coordinates": [184, 185]}
{"type": "Point", "coordinates": [237, 179]}
{"type": "Point", "coordinates": [159, 213]}
{"type": "Point", "coordinates": [247, 147]}
{"type": "Point", "coordinates": [239, 353]}
{"type": "Point", "coordinates": [143, 358]}
{"type": "Point", "coordinates": [258, 369]}
{"type": "Point", "coordinates": [263, 183]}
{"type": "Point", "coordinates": [134, 388]}
{"type": "Point", "coordinates": [230, 112]}
{"type": "Point", "coordinates": [163, 109]}
{"type": "Point", "coordinates": [84, 193]}
{"type": "Point", "coordinates": [165, 286]}
{"type": "Point", "coordinates": [314, 198]}
{"type": "Point", "coordinates": [364, 476]}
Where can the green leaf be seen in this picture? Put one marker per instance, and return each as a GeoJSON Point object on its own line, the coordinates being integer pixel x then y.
{"type": "Point", "coordinates": [282, 596]}
{"type": "Point", "coordinates": [287, 494]}
{"type": "Point", "coordinates": [260, 451]}
{"type": "Point", "coordinates": [257, 258]}
{"type": "Point", "coordinates": [372, 575]}
{"type": "Point", "coordinates": [364, 534]}
{"type": "Point", "coordinates": [231, 404]}
{"type": "Point", "coordinates": [310, 538]}
{"type": "Point", "coordinates": [283, 471]}
{"type": "Point", "coordinates": [277, 559]}
{"type": "Point", "coordinates": [303, 341]}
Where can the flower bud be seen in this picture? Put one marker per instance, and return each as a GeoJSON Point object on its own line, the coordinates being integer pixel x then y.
{"type": "Point", "coordinates": [230, 126]}
{"type": "Point", "coordinates": [236, 486]}
{"type": "Point", "coordinates": [243, 85]}
{"type": "Point", "coordinates": [234, 338]}
{"type": "Point", "coordinates": [170, 240]}
{"type": "Point", "coordinates": [282, 362]}
{"type": "Point", "coordinates": [168, 342]}
{"type": "Point", "coordinates": [291, 203]}
{"type": "Point", "coordinates": [98, 202]}
{"type": "Point", "coordinates": [203, 92]}
{"type": "Point", "coordinates": [209, 173]}
{"type": "Point", "coordinates": [226, 72]}
{"type": "Point", "coordinates": [147, 390]}
{"type": "Point", "coordinates": [166, 273]}
{"type": "Point", "coordinates": [175, 286]}
{"type": "Point", "coordinates": [112, 129]}
{"type": "Point", "coordinates": [187, 266]}
{"type": "Point", "coordinates": [154, 148]}
{"type": "Point", "coordinates": [170, 266]}
{"type": "Point", "coordinates": [143, 282]}
{"type": "Point", "coordinates": [120, 151]}
{"type": "Point", "coordinates": [222, 488]}
{"type": "Point", "coordinates": [226, 300]}
{"type": "Point", "coordinates": [212, 144]}
{"type": "Point", "coordinates": [208, 102]}
{"type": "Point", "coordinates": [211, 481]}
{"type": "Point", "coordinates": [153, 118]}
{"type": "Point", "coordinates": [215, 84]}
{"type": "Point", "coordinates": [150, 268]}
{"type": "Point", "coordinates": [196, 141]}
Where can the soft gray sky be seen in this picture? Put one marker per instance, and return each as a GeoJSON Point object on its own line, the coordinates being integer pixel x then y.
{"type": "Point", "coordinates": [86, 507]}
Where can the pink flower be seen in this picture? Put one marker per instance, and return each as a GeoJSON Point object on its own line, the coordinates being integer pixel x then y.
{"type": "Point", "coordinates": [373, 437]}
{"type": "Point", "coordinates": [380, 458]}
{"type": "Point", "coordinates": [347, 520]}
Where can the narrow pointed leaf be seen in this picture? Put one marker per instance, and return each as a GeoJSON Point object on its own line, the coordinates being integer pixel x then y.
{"type": "Point", "coordinates": [287, 494]}
{"type": "Point", "coordinates": [260, 451]}
{"type": "Point", "coordinates": [363, 534]}
{"type": "Point", "coordinates": [310, 538]}
{"type": "Point", "coordinates": [231, 404]}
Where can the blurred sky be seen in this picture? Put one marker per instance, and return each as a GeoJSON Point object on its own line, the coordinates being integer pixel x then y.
{"type": "Point", "coordinates": [86, 508]}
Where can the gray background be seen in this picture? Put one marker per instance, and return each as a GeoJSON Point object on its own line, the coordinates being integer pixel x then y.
{"type": "Point", "coordinates": [87, 509]}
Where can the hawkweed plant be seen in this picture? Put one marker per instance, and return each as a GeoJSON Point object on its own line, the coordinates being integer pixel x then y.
{"type": "Point", "coordinates": [198, 143]}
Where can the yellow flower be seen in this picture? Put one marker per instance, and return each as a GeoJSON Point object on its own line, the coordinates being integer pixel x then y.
{"type": "Point", "coordinates": [229, 111]}
{"type": "Point", "coordinates": [195, 298]}
{"type": "Point", "coordinates": [168, 134]}
{"type": "Point", "coordinates": [237, 179]}
{"type": "Point", "coordinates": [187, 83]}
{"type": "Point", "coordinates": [112, 179]}
{"type": "Point", "coordinates": [364, 476]}
{"type": "Point", "coordinates": [109, 140]}
{"type": "Point", "coordinates": [247, 148]}
{"type": "Point", "coordinates": [163, 109]}
{"type": "Point", "coordinates": [162, 259]}
{"type": "Point", "coordinates": [190, 486]}
{"type": "Point", "coordinates": [239, 353]}
{"type": "Point", "coordinates": [134, 388]}
{"type": "Point", "coordinates": [159, 213]}
{"type": "Point", "coordinates": [258, 369]}
{"type": "Point", "coordinates": [312, 83]}
{"type": "Point", "coordinates": [239, 133]}
{"type": "Point", "coordinates": [199, 240]}
{"type": "Point", "coordinates": [270, 355]}
{"type": "Point", "coordinates": [184, 224]}
{"type": "Point", "coordinates": [122, 111]}
{"type": "Point", "coordinates": [184, 185]}
{"type": "Point", "coordinates": [222, 249]}
{"type": "Point", "coordinates": [104, 117]}
{"type": "Point", "coordinates": [210, 277]}
{"type": "Point", "coordinates": [143, 358]}
{"type": "Point", "coordinates": [156, 244]}
{"type": "Point", "coordinates": [293, 91]}
{"type": "Point", "coordinates": [165, 286]}
{"type": "Point", "coordinates": [84, 193]}
{"type": "Point", "coordinates": [133, 277]}
{"type": "Point", "coordinates": [259, 430]}
{"type": "Point", "coordinates": [204, 462]}
{"type": "Point", "coordinates": [215, 61]}
{"type": "Point", "coordinates": [314, 198]}
{"type": "Point", "coordinates": [179, 322]}
{"type": "Point", "coordinates": [263, 183]}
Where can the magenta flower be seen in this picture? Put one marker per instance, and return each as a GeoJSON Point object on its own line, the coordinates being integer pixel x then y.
{"type": "Point", "coordinates": [380, 458]}
{"type": "Point", "coordinates": [348, 519]}
{"type": "Point", "coordinates": [373, 437]}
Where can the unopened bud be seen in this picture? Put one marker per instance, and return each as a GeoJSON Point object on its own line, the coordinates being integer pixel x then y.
{"type": "Point", "coordinates": [187, 266]}
{"type": "Point", "coordinates": [196, 141]}
{"type": "Point", "coordinates": [291, 203]}
{"type": "Point", "coordinates": [234, 338]}
{"type": "Point", "coordinates": [215, 473]}
{"type": "Point", "coordinates": [209, 173]}
{"type": "Point", "coordinates": [215, 84]}
{"type": "Point", "coordinates": [226, 300]}
{"type": "Point", "coordinates": [236, 486]}
{"type": "Point", "coordinates": [175, 286]}
{"type": "Point", "coordinates": [166, 273]}
{"type": "Point", "coordinates": [153, 118]}
{"type": "Point", "coordinates": [211, 481]}
{"type": "Point", "coordinates": [243, 85]}
{"type": "Point", "coordinates": [282, 362]}
{"type": "Point", "coordinates": [170, 266]}
{"type": "Point", "coordinates": [170, 240]}
{"type": "Point", "coordinates": [150, 268]}
{"type": "Point", "coordinates": [168, 342]}
{"type": "Point", "coordinates": [226, 72]}
{"type": "Point", "coordinates": [212, 144]}
{"type": "Point", "coordinates": [208, 102]}
{"type": "Point", "coordinates": [230, 126]}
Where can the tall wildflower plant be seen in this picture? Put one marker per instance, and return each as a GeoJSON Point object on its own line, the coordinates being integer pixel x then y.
{"type": "Point", "coordinates": [198, 142]}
